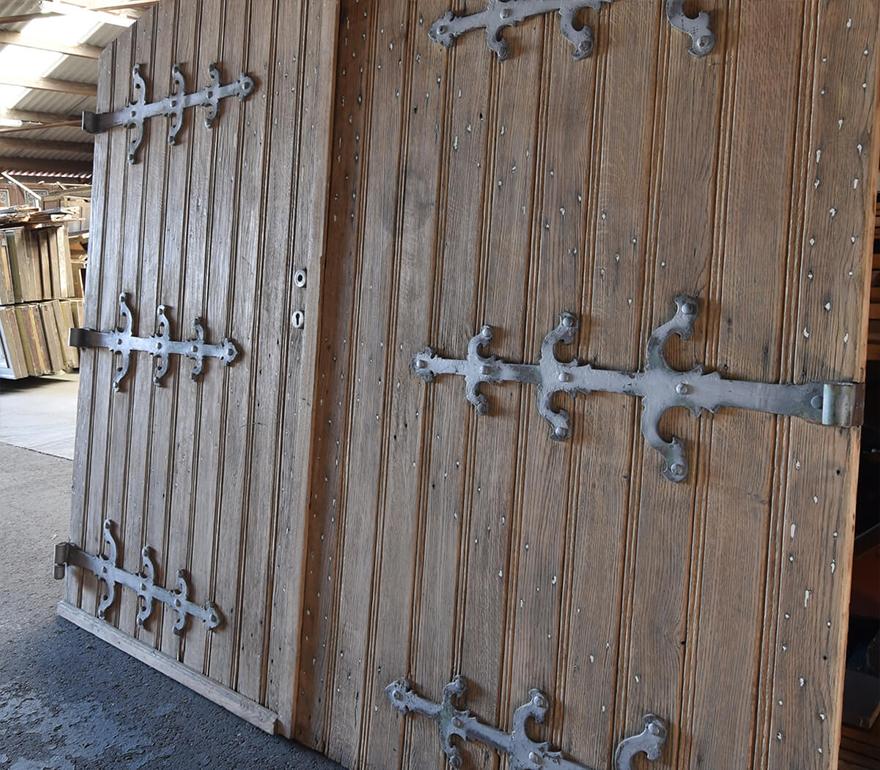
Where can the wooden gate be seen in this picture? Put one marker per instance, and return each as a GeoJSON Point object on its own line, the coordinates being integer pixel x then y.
{"type": "Point", "coordinates": [355, 525]}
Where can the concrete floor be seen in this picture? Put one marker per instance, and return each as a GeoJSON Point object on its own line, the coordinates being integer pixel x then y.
{"type": "Point", "coordinates": [68, 700]}
{"type": "Point", "coordinates": [39, 413]}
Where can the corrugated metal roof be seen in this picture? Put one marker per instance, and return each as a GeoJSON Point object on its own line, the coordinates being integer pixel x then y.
{"type": "Point", "coordinates": [32, 144]}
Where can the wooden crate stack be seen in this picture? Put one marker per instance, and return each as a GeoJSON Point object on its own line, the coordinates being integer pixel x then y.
{"type": "Point", "coordinates": [40, 293]}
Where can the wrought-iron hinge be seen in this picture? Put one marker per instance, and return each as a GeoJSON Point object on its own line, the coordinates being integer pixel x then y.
{"type": "Point", "coordinates": [143, 583]}
{"type": "Point", "coordinates": [160, 345]}
{"type": "Point", "coordinates": [137, 111]}
{"type": "Point", "coordinates": [837, 404]}
{"type": "Point", "coordinates": [500, 14]}
{"type": "Point", "coordinates": [523, 752]}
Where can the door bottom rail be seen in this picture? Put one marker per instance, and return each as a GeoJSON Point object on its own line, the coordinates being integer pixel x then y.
{"type": "Point", "coordinates": [523, 752]}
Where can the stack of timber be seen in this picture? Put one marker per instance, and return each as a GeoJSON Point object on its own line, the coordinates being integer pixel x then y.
{"type": "Point", "coordinates": [40, 294]}
{"type": "Point", "coordinates": [874, 314]}
{"type": "Point", "coordinates": [78, 206]}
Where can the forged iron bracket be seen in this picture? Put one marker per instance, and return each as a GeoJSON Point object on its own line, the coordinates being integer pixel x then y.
{"type": "Point", "coordinates": [160, 345]}
{"type": "Point", "coordinates": [143, 583]}
{"type": "Point", "coordinates": [836, 404]}
{"type": "Point", "coordinates": [702, 37]}
{"type": "Point", "coordinates": [138, 111]}
{"type": "Point", "coordinates": [508, 13]}
{"type": "Point", "coordinates": [500, 14]}
{"type": "Point", "coordinates": [523, 752]}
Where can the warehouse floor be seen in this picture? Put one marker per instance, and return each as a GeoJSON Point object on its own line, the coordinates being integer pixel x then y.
{"type": "Point", "coordinates": [39, 413]}
{"type": "Point", "coordinates": [68, 700]}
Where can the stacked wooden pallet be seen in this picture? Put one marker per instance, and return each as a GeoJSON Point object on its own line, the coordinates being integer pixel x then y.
{"type": "Point", "coordinates": [874, 314]}
{"type": "Point", "coordinates": [40, 294]}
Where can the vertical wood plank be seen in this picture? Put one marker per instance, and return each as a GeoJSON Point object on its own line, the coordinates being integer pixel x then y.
{"type": "Point", "coordinates": [200, 266]}
{"type": "Point", "coordinates": [88, 360]}
{"type": "Point", "coordinates": [147, 298]}
{"type": "Point", "coordinates": [107, 317]}
{"type": "Point", "coordinates": [405, 423]}
{"type": "Point", "coordinates": [270, 333]}
{"type": "Point", "coordinates": [242, 302]}
{"type": "Point", "coordinates": [222, 203]}
{"type": "Point", "coordinates": [353, 78]}
{"type": "Point", "coordinates": [478, 620]}
{"type": "Point", "coordinates": [185, 304]}
{"type": "Point", "coordinates": [367, 401]}
{"type": "Point", "coordinates": [828, 343]}
{"type": "Point", "coordinates": [618, 228]}
{"type": "Point", "coordinates": [301, 421]}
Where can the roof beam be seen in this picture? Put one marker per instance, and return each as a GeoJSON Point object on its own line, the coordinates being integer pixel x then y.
{"type": "Point", "coordinates": [29, 116]}
{"type": "Point", "coordinates": [43, 166]}
{"type": "Point", "coordinates": [104, 5]}
{"type": "Point", "coordinates": [39, 127]}
{"type": "Point", "coordinates": [66, 8]}
{"type": "Point", "coordinates": [43, 44]}
{"type": "Point", "coordinates": [43, 145]}
{"type": "Point", "coordinates": [8, 78]}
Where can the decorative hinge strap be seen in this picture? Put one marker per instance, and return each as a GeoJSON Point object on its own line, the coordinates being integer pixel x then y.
{"type": "Point", "coordinates": [122, 342]}
{"type": "Point", "coordinates": [137, 111]}
{"type": "Point", "coordinates": [143, 583]}
{"type": "Point", "coordinates": [523, 752]}
{"type": "Point", "coordinates": [500, 14]}
{"type": "Point", "coordinates": [838, 404]}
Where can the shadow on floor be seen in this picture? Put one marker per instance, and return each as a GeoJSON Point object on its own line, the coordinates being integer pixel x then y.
{"type": "Point", "coordinates": [68, 700]}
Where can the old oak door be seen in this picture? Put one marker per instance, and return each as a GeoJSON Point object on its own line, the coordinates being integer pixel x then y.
{"type": "Point", "coordinates": [377, 194]}
{"type": "Point", "coordinates": [467, 191]}
{"type": "Point", "coordinates": [224, 225]}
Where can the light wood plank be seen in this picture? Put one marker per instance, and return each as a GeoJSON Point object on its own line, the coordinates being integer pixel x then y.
{"type": "Point", "coordinates": [240, 308]}
{"type": "Point", "coordinates": [308, 234]}
{"type": "Point", "coordinates": [88, 368]}
{"type": "Point", "coordinates": [126, 434]}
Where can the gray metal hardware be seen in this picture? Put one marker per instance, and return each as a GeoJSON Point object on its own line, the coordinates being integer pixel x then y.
{"type": "Point", "coordinates": [523, 752]}
{"type": "Point", "coordinates": [299, 319]}
{"type": "Point", "coordinates": [702, 37]}
{"type": "Point", "coordinates": [160, 345]}
{"type": "Point", "coordinates": [508, 13]}
{"type": "Point", "coordinates": [299, 278]}
{"type": "Point", "coordinates": [838, 404]}
{"type": "Point", "coordinates": [500, 14]}
{"type": "Point", "coordinates": [142, 583]}
{"type": "Point", "coordinates": [137, 111]}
